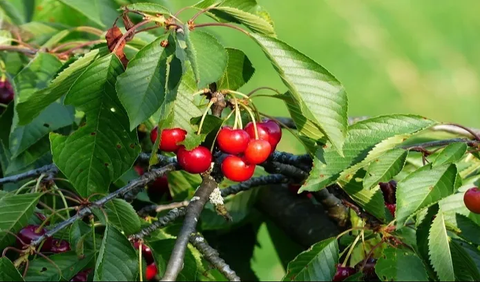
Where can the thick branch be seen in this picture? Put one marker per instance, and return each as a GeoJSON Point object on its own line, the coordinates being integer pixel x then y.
{"type": "Point", "coordinates": [51, 168]}
{"type": "Point", "coordinates": [290, 171]}
{"type": "Point", "coordinates": [336, 210]}
{"type": "Point", "coordinates": [142, 181]}
{"type": "Point", "coordinates": [171, 216]}
{"type": "Point", "coordinates": [194, 210]}
{"type": "Point", "coordinates": [303, 162]}
{"type": "Point", "coordinates": [212, 255]}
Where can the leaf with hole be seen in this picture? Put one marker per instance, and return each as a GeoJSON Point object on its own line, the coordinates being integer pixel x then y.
{"type": "Point", "coordinates": [65, 266]}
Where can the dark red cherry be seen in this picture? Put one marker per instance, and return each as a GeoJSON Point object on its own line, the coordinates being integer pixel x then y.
{"type": "Point", "coordinates": [343, 272]}
{"type": "Point", "coordinates": [232, 141]}
{"type": "Point", "coordinates": [389, 190]}
{"type": "Point", "coordinates": [274, 130]}
{"type": "Point", "coordinates": [257, 151]}
{"type": "Point", "coordinates": [60, 246]}
{"type": "Point", "coordinates": [268, 130]}
{"type": "Point", "coordinates": [235, 169]}
{"type": "Point", "coordinates": [31, 233]}
{"type": "Point", "coordinates": [170, 138]}
{"type": "Point", "coordinates": [146, 252]}
{"type": "Point", "coordinates": [197, 160]}
{"type": "Point", "coordinates": [82, 276]}
{"type": "Point", "coordinates": [472, 199]}
{"type": "Point", "coordinates": [6, 92]}
{"type": "Point", "coordinates": [391, 208]}
{"type": "Point", "coordinates": [151, 271]}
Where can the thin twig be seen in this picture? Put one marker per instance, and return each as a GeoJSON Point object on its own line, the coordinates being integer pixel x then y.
{"type": "Point", "coordinates": [142, 181]}
{"type": "Point", "coordinates": [51, 168]}
{"type": "Point", "coordinates": [223, 24]}
{"type": "Point", "coordinates": [439, 143]}
{"type": "Point", "coordinates": [212, 256]}
{"type": "Point", "coordinates": [171, 216]}
{"type": "Point", "coordinates": [456, 130]}
{"type": "Point", "coordinates": [19, 49]}
{"type": "Point", "coordinates": [129, 32]}
{"type": "Point", "coordinates": [158, 208]}
{"type": "Point", "coordinates": [81, 46]}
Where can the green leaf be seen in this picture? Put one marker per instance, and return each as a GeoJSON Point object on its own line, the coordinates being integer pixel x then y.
{"type": "Point", "coordinates": [439, 249]}
{"type": "Point", "coordinates": [78, 233]}
{"type": "Point", "coordinates": [152, 8]}
{"type": "Point", "coordinates": [318, 263]}
{"type": "Point", "coordinates": [385, 167]}
{"type": "Point", "coordinates": [207, 56]}
{"type": "Point", "coordinates": [238, 72]}
{"type": "Point", "coordinates": [15, 210]}
{"type": "Point", "coordinates": [182, 185]}
{"type": "Point", "coordinates": [8, 272]}
{"type": "Point", "coordinates": [305, 125]}
{"type": "Point", "coordinates": [11, 12]}
{"type": "Point", "coordinates": [31, 107]}
{"type": "Point", "coordinates": [464, 266]}
{"type": "Point", "coordinates": [422, 188]}
{"type": "Point", "coordinates": [471, 250]}
{"type": "Point", "coordinates": [122, 215]}
{"type": "Point", "coordinates": [252, 21]}
{"type": "Point", "coordinates": [469, 230]}
{"type": "Point", "coordinates": [117, 260]}
{"type": "Point", "coordinates": [370, 200]}
{"type": "Point", "coordinates": [366, 141]}
{"type": "Point", "coordinates": [67, 266]}
{"type": "Point", "coordinates": [102, 13]}
{"type": "Point", "coordinates": [104, 148]}
{"type": "Point", "coordinates": [31, 156]}
{"type": "Point", "coordinates": [143, 86]}
{"type": "Point", "coordinates": [400, 265]}
{"type": "Point", "coordinates": [320, 95]}
{"type": "Point", "coordinates": [451, 154]}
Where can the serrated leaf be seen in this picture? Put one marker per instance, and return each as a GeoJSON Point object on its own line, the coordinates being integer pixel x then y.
{"type": "Point", "coordinates": [102, 13]}
{"type": "Point", "coordinates": [15, 210]}
{"type": "Point", "coordinates": [451, 154]}
{"type": "Point", "coordinates": [439, 250]}
{"type": "Point", "coordinates": [385, 167]}
{"type": "Point", "coordinates": [320, 95]}
{"type": "Point", "coordinates": [68, 264]}
{"type": "Point", "coordinates": [31, 107]}
{"type": "Point", "coordinates": [152, 8]}
{"type": "Point", "coordinates": [304, 124]}
{"type": "Point", "coordinates": [422, 188]}
{"type": "Point", "coordinates": [207, 56]}
{"type": "Point", "coordinates": [465, 267]}
{"type": "Point", "coordinates": [366, 140]}
{"type": "Point", "coordinates": [104, 148]}
{"type": "Point", "coordinates": [117, 260]}
{"type": "Point", "coordinates": [469, 230]}
{"type": "Point", "coordinates": [471, 250]}
{"type": "Point", "coordinates": [238, 72]}
{"type": "Point", "coordinates": [252, 21]}
{"type": "Point", "coordinates": [8, 272]}
{"type": "Point", "coordinates": [143, 86]}
{"type": "Point", "coordinates": [318, 263]}
{"type": "Point", "coordinates": [122, 215]}
{"type": "Point", "coordinates": [370, 200]}
{"type": "Point", "coordinates": [422, 233]}
{"type": "Point", "coordinates": [394, 263]}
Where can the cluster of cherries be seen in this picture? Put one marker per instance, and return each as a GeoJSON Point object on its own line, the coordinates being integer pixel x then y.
{"type": "Point", "coordinates": [367, 268]}
{"type": "Point", "coordinates": [389, 190]}
{"type": "Point", "coordinates": [151, 270]}
{"type": "Point", "coordinates": [33, 232]}
{"type": "Point", "coordinates": [246, 149]}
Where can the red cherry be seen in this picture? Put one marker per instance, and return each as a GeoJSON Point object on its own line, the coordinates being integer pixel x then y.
{"type": "Point", "coordinates": [139, 170]}
{"type": "Point", "coordinates": [82, 276]}
{"type": "Point", "coordinates": [197, 160]}
{"type": "Point", "coordinates": [257, 151]}
{"type": "Point", "coordinates": [146, 252]}
{"type": "Point", "coordinates": [232, 141]}
{"type": "Point", "coordinates": [391, 208]}
{"type": "Point", "coordinates": [343, 272]}
{"type": "Point", "coordinates": [170, 138]}
{"type": "Point", "coordinates": [268, 130]}
{"type": "Point", "coordinates": [235, 169]}
{"type": "Point", "coordinates": [151, 271]}
{"type": "Point", "coordinates": [60, 246]}
{"type": "Point", "coordinates": [274, 130]}
{"type": "Point", "coordinates": [30, 233]}
{"type": "Point", "coordinates": [6, 92]}
{"type": "Point", "coordinates": [472, 199]}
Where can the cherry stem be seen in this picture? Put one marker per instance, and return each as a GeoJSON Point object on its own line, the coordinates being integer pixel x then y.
{"type": "Point", "coordinates": [252, 116]}
{"type": "Point", "coordinates": [348, 231]}
{"type": "Point", "coordinates": [203, 117]}
{"type": "Point", "coordinates": [180, 11]}
{"type": "Point", "coordinates": [263, 87]}
{"type": "Point", "coordinates": [350, 251]}
{"type": "Point", "coordinates": [140, 247]}
{"type": "Point", "coordinates": [90, 29]}
{"type": "Point", "coordinates": [223, 24]}
{"type": "Point", "coordinates": [148, 28]}
{"type": "Point", "coordinates": [200, 92]}
{"type": "Point", "coordinates": [201, 12]}
{"type": "Point", "coordinates": [50, 209]}
{"type": "Point", "coordinates": [130, 31]}
{"type": "Point", "coordinates": [474, 134]}
{"type": "Point", "coordinates": [93, 42]}
{"type": "Point", "coordinates": [237, 110]}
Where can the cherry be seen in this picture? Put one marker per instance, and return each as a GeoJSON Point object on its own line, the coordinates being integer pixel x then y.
{"type": "Point", "coordinates": [151, 271]}
{"type": "Point", "coordinates": [60, 246]}
{"type": "Point", "coordinates": [472, 199]}
{"type": "Point", "coordinates": [268, 130]}
{"type": "Point", "coordinates": [146, 252]}
{"type": "Point", "coordinates": [391, 208]}
{"type": "Point", "coordinates": [197, 160]}
{"type": "Point", "coordinates": [343, 272]}
{"type": "Point", "coordinates": [257, 151]}
{"type": "Point", "coordinates": [158, 188]}
{"type": "Point", "coordinates": [235, 169]}
{"type": "Point", "coordinates": [139, 170]}
{"type": "Point", "coordinates": [233, 141]}
{"type": "Point", "coordinates": [6, 92]}
{"type": "Point", "coordinates": [30, 233]}
{"type": "Point", "coordinates": [82, 276]}
{"type": "Point", "coordinates": [369, 268]}
{"type": "Point", "coordinates": [170, 138]}
{"type": "Point", "coordinates": [389, 189]}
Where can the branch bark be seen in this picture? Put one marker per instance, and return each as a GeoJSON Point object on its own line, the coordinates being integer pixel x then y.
{"type": "Point", "coordinates": [29, 174]}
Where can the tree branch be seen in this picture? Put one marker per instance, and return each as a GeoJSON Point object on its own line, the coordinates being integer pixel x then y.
{"type": "Point", "coordinates": [142, 181]}
{"type": "Point", "coordinates": [158, 208]}
{"type": "Point", "coordinates": [440, 143]}
{"type": "Point", "coordinates": [254, 182]}
{"type": "Point", "coordinates": [31, 173]}
{"type": "Point", "coordinates": [194, 210]}
{"type": "Point", "coordinates": [212, 255]}
{"type": "Point", "coordinates": [172, 215]}
{"type": "Point", "coordinates": [303, 162]}
{"type": "Point", "coordinates": [336, 210]}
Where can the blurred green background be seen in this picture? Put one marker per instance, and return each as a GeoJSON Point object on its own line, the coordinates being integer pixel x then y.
{"type": "Point", "coordinates": [408, 56]}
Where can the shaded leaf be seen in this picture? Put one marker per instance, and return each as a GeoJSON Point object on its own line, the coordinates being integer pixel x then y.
{"type": "Point", "coordinates": [394, 263]}
{"type": "Point", "coordinates": [68, 265]}
{"type": "Point", "coordinates": [439, 249]}
{"type": "Point", "coordinates": [8, 272]}
{"type": "Point", "coordinates": [465, 267]}
{"type": "Point", "coordinates": [385, 167]}
{"type": "Point", "coordinates": [469, 230]}
{"type": "Point", "coordinates": [122, 215]}
{"type": "Point", "coordinates": [102, 13]}
{"type": "Point", "coordinates": [451, 154]}
{"type": "Point", "coordinates": [238, 72]}
{"type": "Point", "coordinates": [182, 185]}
